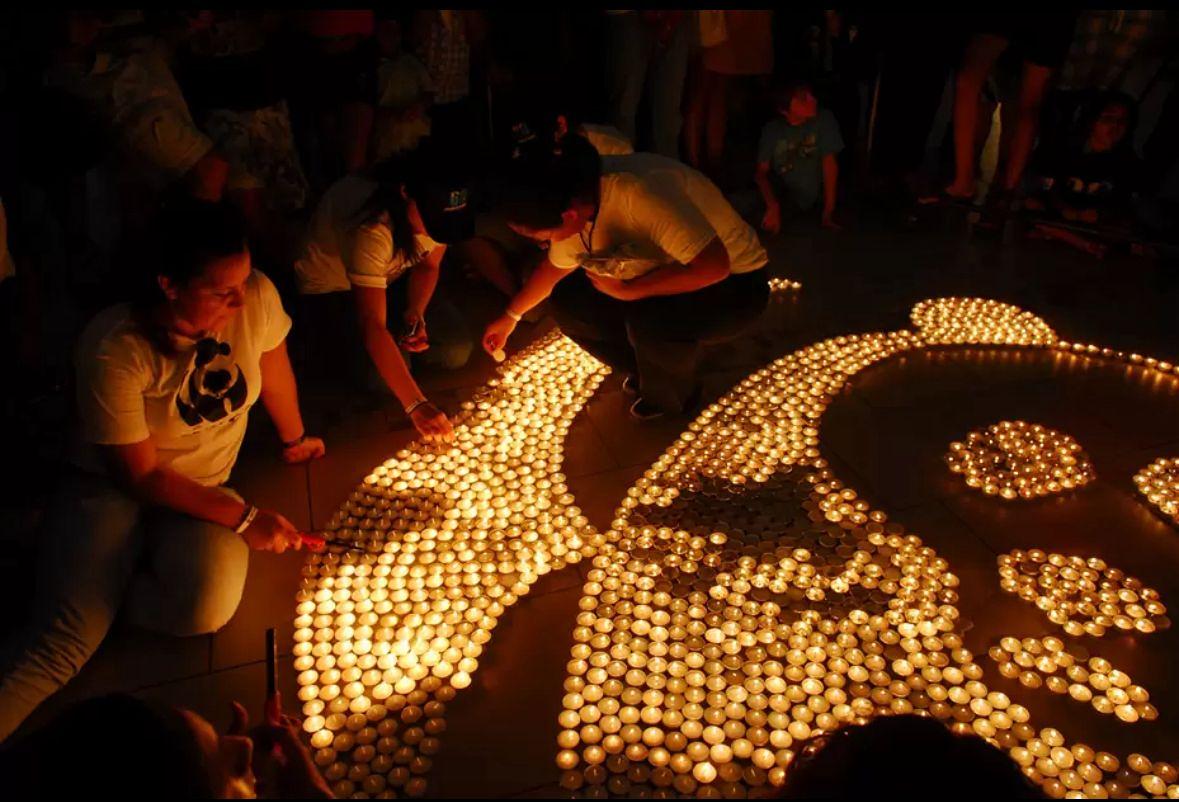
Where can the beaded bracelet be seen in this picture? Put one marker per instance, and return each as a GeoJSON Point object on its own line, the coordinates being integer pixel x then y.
{"type": "Point", "coordinates": [409, 410]}
{"type": "Point", "coordinates": [297, 441]}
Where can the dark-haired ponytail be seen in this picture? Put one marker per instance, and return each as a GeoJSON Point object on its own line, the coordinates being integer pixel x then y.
{"type": "Point", "coordinates": [185, 237]}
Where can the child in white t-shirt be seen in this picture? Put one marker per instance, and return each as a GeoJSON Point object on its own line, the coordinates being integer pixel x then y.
{"type": "Point", "coordinates": [144, 525]}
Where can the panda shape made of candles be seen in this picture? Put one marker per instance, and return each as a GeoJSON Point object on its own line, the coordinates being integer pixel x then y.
{"type": "Point", "coordinates": [748, 599]}
{"type": "Point", "coordinates": [743, 599]}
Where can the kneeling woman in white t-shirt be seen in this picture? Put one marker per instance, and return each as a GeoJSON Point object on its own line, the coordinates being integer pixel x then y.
{"type": "Point", "coordinates": [372, 260]}
{"type": "Point", "coordinates": [144, 525]}
{"type": "Point", "coordinates": [669, 266]}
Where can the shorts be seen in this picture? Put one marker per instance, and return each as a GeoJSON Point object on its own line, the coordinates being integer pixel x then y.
{"type": "Point", "coordinates": [162, 138]}
{"type": "Point", "coordinates": [260, 149]}
{"type": "Point", "coordinates": [1042, 39]}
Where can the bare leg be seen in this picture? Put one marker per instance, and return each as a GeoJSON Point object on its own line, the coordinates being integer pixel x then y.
{"type": "Point", "coordinates": [718, 118]}
{"type": "Point", "coordinates": [981, 54]}
{"type": "Point", "coordinates": [1027, 119]}
{"type": "Point", "coordinates": [694, 117]}
{"type": "Point", "coordinates": [1091, 247]}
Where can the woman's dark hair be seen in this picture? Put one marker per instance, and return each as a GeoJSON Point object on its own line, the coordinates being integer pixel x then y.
{"type": "Point", "coordinates": [784, 93]}
{"type": "Point", "coordinates": [186, 235]}
{"type": "Point", "coordinates": [391, 176]}
{"type": "Point", "coordinates": [544, 182]}
{"type": "Point", "coordinates": [409, 171]}
{"type": "Point", "coordinates": [903, 757]}
{"type": "Point", "coordinates": [119, 747]}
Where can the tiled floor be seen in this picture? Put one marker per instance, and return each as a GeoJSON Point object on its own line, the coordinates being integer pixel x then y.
{"type": "Point", "coordinates": [885, 436]}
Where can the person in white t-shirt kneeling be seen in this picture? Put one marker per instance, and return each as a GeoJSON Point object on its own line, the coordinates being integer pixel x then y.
{"type": "Point", "coordinates": [376, 245]}
{"type": "Point", "coordinates": [668, 266]}
{"type": "Point", "coordinates": [144, 525]}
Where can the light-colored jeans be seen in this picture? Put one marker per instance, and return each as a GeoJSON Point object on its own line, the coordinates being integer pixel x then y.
{"type": "Point", "coordinates": [104, 554]}
{"type": "Point", "coordinates": [636, 61]}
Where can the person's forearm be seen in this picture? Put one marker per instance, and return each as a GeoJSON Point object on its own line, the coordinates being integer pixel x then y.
{"type": "Point", "coordinates": [538, 287]}
{"type": "Point", "coordinates": [163, 487]}
{"type": "Point", "coordinates": [387, 358]}
{"type": "Point", "coordinates": [280, 394]}
{"type": "Point", "coordinates": [830, 183]}
{"type": "Point", "coordinates": [767, 191]}
{"type": "Point", "coordinates": [676, 279]}
{"type": "Point", "coordinates": [423, 278]}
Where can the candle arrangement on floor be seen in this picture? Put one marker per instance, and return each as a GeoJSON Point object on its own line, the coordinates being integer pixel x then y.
{"type": "Point", "coordinates": [1035, 662]}
{"type": "Point", "coordinates": [746, 600]}
{"type": "Point", "coordinates": [1159, 483]}
{"type": "Point", "coordinates": [743, 599]}
{"type": "Point", "coordinates": [446, 540]}
{"type": "Point", "coordinates": [1083, 596]}
{"type": "Point", "coordinates": [783, 285]}
{"type": "Point", "coordinates": [1020, 460]}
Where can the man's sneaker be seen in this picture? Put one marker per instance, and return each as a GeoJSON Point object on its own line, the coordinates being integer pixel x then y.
{"type": "Point", "coordinates": [643, 410]}
{"type": "Point", "coordinates": [630, 385]}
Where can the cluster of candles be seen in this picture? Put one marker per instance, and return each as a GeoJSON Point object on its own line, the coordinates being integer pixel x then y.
{"type": "Point", "coordinates": [979, 321]}
{"type": "Point", "coordinates": [1159, 483]}
{"type": "Point", "coordinates": [1080, 772]}
{"type": "Point", "coordinates": [1036, 661]}
{"type": "Point", "coordinates": [443, 541]}
{"type": "Point", "coordinates": [727, 617]}
{"type": "Point", "coordinates": [783, 285]}
{"type": "Point", "coordinates": [1020, 460]}
{"type": "Point", "coordinates": [1083, 596]}
{"type": "Point", "coordinates": [743, 601]}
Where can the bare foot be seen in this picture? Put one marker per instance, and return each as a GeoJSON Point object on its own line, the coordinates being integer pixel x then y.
{"type": "Point", "coordinates": [961, 191]}
{"type": "Point", "coordinates": [1096, 250]}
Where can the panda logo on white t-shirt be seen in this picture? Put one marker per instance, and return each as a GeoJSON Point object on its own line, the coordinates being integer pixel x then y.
{"type": "Point", "coordinates": [214, 386]}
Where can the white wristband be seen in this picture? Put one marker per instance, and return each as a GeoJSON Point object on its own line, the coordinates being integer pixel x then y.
{"type": "Point", "coordinates": [513, 315]}
{"type": "Point", "coordinates": [247, 519]}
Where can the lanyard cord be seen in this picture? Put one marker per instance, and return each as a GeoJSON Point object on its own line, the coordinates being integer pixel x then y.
{"type": "Point", "coordinates": [588, 244]}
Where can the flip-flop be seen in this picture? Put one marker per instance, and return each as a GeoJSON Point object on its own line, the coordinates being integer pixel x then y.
{"type": "Point", "coordinates": [942, 198]}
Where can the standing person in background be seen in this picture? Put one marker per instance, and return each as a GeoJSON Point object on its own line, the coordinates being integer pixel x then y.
{"type": "Point", "coordinates": [746, 50]}
{"type": "Point", "coordinates": [648, 49]}
{"type": "Point", "coordinates": [1042, 41]}
{"type": "Point", "coordinates": [229, 74]}
{"type": "Point", "coordinates": [404, 94]}
{"type": "Point", "coordinates": [133, 92]}
{"type": "Point", "coordinates": [332, 67]}
{"type": "Point", "coordinates": [144, 523]}
{"type": "Point", "coordinates": [446, 40]}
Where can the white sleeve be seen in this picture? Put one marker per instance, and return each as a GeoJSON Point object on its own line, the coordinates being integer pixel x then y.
{"type": "Point", "coordinates": [111, 384]}
{"type": "Point", "coordinates": [567, 253]}
{"type": "Point", "coordinates": [276, 323]}
{"type": "Point", "coordinates": [372, 251]}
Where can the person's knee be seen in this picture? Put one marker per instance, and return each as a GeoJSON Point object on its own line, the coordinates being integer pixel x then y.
{"type": "Point", "coordinates": [205, 583]}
